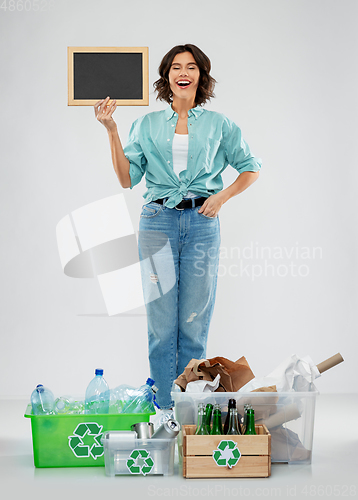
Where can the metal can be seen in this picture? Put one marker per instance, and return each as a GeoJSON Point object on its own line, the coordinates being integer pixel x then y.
{"type": "Point", "coordinates": [168, 430]}
{"type": "Point", "coordinates": [144, 430]}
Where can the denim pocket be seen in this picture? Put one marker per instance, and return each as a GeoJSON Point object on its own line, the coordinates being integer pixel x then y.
{"type": "Point", "coordinates": [151, 210]}
{"type": "Point", "coordinates": [206, 216]}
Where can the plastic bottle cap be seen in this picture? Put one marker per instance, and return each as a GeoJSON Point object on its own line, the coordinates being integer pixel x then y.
{"type": "Point", "coordinates": [150, 382]}
{"type": "Point", "coordinates": [40, 385]}
{"type": "Point", "coordinates": [99, 371]}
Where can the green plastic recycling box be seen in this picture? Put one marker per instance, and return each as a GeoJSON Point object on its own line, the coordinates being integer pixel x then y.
{"type": "Point", "coordinates": [75, 440]}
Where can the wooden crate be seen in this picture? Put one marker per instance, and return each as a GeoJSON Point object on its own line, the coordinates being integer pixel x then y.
{"type": "Point", "coordinates": [198, 454]}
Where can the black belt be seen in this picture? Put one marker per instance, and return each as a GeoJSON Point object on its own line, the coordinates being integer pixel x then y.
{"type": "Point", "coordinates": [184, 203]}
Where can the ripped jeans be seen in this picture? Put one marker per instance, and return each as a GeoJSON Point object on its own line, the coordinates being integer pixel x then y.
{"type": "Point", "coordinates": [179, 253]}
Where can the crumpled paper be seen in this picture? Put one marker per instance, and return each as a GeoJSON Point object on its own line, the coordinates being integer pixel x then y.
{"type": "Point", "coordinates": [287, 447]}
{"type": "Point", "coordinates": [293, 374]}
{"type": "Point", "coordinates": [203, 385]}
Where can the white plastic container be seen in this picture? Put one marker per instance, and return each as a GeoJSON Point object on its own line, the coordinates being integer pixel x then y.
{"type": "Point", "coordinates": [288, 416]}
{"type": "Point", "coordinates": [126, 455]}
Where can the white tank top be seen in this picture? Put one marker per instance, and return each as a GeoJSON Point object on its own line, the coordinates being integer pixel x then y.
{"type": "Point", "coordinates": [180, 157]}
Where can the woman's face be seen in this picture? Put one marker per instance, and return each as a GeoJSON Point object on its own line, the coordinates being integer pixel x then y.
{"type": "Point", "coordinates": [184, 76]}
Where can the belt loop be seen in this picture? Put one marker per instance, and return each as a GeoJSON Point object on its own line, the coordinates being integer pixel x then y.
{"type": "Point", "coordinates": [192, 203]}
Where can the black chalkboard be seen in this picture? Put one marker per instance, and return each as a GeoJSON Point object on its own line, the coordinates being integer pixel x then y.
{"type": "Point", "coordinates": [97, 72]}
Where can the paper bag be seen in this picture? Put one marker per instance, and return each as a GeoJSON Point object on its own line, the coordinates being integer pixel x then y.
{"type": "Point", "coordinates": [233, 374]}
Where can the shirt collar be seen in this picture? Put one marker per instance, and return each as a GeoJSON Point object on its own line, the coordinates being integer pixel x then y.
{"type": "Point", "coordinates": [196, 112]}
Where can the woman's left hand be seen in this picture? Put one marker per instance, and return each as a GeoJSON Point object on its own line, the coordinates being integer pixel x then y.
{"type": "Point", "coordinates": [212, 205]}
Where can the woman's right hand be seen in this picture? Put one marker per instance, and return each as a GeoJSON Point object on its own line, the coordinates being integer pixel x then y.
{"type": "Point", "coordinates": [104, 113]}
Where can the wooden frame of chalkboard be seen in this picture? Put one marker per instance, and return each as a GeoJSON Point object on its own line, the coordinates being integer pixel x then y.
{"type": "Point", "coordinates": [97, 72]}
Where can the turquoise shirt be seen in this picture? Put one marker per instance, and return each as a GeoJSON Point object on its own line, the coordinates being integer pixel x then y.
{"type": "Point", "coordinates": [214, 143]}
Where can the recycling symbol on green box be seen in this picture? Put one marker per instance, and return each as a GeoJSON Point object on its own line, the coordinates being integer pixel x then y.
{"type": "Point", "coordinates": [86, 440]}
{"type": "Point", "coordinates": [140, 462]}
{"type": "Point", "coordinates": [227, 454]}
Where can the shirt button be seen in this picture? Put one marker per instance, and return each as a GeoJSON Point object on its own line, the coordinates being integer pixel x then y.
{"type": "Point", "coordinates": [168, 140]}
{"type": "Point", "coordinates": [190, 124]}
{"type": "Point", "coordinates": [168, 161]}
{"type": "Point", "coordinates": [191, 157]}
{"type": "Point", "coordinates": [173, 125]}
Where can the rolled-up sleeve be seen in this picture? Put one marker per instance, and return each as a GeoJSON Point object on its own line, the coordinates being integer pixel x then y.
{"type": "Point", "coordinates": [133, 151]}
{"type": "Point", "coordinates": [237, 151]}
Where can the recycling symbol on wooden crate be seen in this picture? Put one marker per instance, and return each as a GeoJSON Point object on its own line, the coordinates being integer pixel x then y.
{"type": "Point", "coordinates": [140, 462]}
{"type": "Point", "coordinates": [227, 454]}
{"type": "Point", "coordinates": [86, 440]}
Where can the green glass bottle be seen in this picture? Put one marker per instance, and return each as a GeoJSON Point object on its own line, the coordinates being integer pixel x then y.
{"type": "Point", "coordinates": [250, 422]}
{"type": "Point", "coordinates": [246, 407]}
{"type": "Point", "coordinates": [232, 404]}
{"type": "Point", "coordinates": [234, 424]}
{"type": "Point", "coordinates": [201, 427]}
{"type": "Point", "coordinates": [208, 411]}
{"type": "Point", "coordinates": [217, 427]}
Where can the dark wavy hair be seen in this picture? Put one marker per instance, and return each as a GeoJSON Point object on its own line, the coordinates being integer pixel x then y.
{"type": "Point", "coordinates": [206, 84]}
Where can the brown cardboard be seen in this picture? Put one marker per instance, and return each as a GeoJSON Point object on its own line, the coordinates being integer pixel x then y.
{"type": "Point", "coordinates": [233, 374]}
{"type": "Point", "coordinates": [330, 363]}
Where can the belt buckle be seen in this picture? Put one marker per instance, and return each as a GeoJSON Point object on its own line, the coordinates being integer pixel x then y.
{"type": "Point", "coordinates": [176, 207]}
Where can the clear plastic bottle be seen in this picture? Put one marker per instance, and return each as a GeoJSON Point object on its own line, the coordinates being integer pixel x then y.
{"type": "Point", "coordinates": [119, 396]}
{"type": "Point", "coordinates": [78, 407]}
{"type": "Point", "coordinates": [142, 399]}
{"type": "Point", "coordinates": [68, 405]}
{"type": "Point", "coordinates": [97, 394]}
{"type": "Point", "coordinates": [42, 401]}
{"type": "Point", "coordinates": [62, 405]}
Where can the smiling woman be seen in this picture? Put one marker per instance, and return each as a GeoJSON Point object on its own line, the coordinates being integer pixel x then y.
{"type": "Point", "coordinates": [182, 150]}
{"type": "Point", "coordinates": [196, 61]}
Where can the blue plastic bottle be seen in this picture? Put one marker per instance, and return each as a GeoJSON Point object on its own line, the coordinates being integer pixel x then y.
{"type": "Point", "coordinates": [42, 401]}
{"type": "Point", "coordinates": [97, 394]}
{"type": "Point", "coordinates": [142, 401]}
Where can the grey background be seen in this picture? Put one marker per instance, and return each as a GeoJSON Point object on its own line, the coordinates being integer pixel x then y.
{"type": "Point", "coordinates": [287, 75]}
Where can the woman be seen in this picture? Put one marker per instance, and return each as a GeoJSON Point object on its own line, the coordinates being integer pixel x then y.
{"type": "Point", "coordinates": [182, 151]}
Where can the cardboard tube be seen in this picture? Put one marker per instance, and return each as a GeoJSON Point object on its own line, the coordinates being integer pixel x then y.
{"type": "Point", "coordinates": [290, 412]}
{"type": "Point", "coordinates": [330, 363]}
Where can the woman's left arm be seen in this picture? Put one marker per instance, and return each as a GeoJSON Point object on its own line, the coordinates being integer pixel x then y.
{"type": "Point", "coordinates": [239, 156]}
{"type": "Point", "coordinates": [212, 205]}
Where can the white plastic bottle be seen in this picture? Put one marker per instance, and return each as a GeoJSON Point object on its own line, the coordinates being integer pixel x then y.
{"type": "Point", "coordinates": [97, 394]}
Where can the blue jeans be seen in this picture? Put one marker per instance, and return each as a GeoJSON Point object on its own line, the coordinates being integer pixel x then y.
{"type": "Point", "coordinates": [179, 253]}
